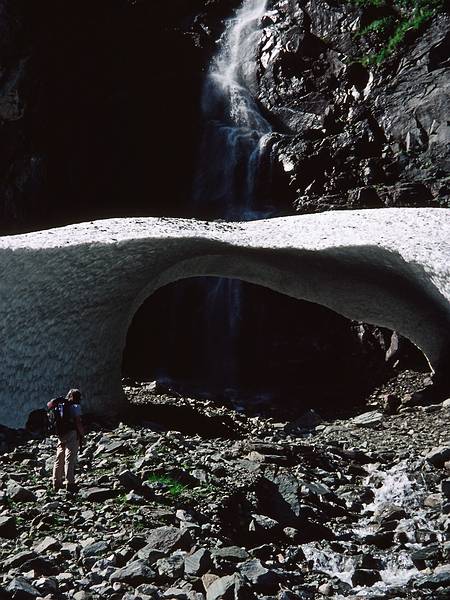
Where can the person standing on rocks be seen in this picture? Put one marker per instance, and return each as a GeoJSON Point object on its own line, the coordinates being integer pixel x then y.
{"type": "Point", "coordinates": [70, 433]}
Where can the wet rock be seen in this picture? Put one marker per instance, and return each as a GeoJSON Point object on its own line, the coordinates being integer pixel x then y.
{"type": "Point", "coordinates": [425, 557]}
{"type": "Point", "coordinates": [367, 561]}
{"type": "Point", "coordinates": [433, 501]}
{"type": "Point", "coordinates": [381, 540]}
{"type": "Point", "coordinates": [82, 595]}
{"type": "Point", "coordinates": [445, 487]}
{"type": "Point", "coordinates": [435, 581]}
{"type": "Point", "coordinates": [365, 577]}
{"type": "Point", "coordinates": [389, 512]}
{"type": "Point", "coordinates": [326, 589]}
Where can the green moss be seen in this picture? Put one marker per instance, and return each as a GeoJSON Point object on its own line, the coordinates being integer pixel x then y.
{"type": "Point", "coordinates": [365, 3]}
{"type": "Point", "coordinates": [174, 487]}
{"type": "Point", "coordinates": [391, 30]}
{"type": "Point", "coordinates": [380, 26]}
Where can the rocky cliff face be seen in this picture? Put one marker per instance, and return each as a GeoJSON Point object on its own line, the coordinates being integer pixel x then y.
{"type": "Point", "coordinates": [99, 107]}
{"type": "Point", "coordinates": [354, 133]}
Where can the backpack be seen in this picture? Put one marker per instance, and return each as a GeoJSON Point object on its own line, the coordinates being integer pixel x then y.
{"type": "Point", "coordinates": [59, 417]}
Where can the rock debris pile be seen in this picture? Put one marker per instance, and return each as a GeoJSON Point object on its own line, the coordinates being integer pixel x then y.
{"type": "Point", "coordinates": [250, 508]}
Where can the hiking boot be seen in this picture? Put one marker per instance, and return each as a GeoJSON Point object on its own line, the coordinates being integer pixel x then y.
{"type": "Point", "coordinates": [71, 488]}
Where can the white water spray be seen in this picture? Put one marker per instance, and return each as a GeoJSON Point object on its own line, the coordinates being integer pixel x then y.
{"type": "Point", "coordinates": [392, 487]}
{"type": "Point", "coordinates": [236, 133]}
{"type": "Point", "coordinates": [229, 180]}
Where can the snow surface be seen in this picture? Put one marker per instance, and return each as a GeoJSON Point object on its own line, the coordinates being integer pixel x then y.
{"type": "Point", "coordinates": [68, 295]}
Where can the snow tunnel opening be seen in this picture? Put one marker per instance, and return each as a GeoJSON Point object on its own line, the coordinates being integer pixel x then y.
{"type": "Point", "coordinates": [241, 343]}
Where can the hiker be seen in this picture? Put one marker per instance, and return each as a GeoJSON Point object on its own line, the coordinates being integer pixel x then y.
{"type": "Point", "coordinates": [69, 430]}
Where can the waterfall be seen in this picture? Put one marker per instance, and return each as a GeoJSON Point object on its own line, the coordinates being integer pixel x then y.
{"type": "Point", "coordinates": [230, 172]}
{"type": "Point", "coordinates": [236, 133]}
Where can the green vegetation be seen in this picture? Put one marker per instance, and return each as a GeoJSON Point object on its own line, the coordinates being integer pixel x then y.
{"type": "Point", "coordinates": [365, 3]}
{"type": "Point", "coordinates": [392, 29]}
{"type": "Point", "coordinates": [380, 26]}
{"type": "Point", "coordinates": [174, 487]}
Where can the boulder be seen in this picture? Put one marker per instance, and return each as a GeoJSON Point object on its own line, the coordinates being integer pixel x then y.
{"type": "Point", "coordinates": [16, 560]}
{"type": "Point", "coordinates": [171, 568]}
{"type": "Point", "coordinates": [95, 549]}
{"type": "Point", "coordinates": [167, 539]}
{"type": "Point", "coordinates": [48, 544]}
{"type": "Point", "coordinates": [8, 528]}
{"type": "Point", "coordinates": [134, 574]}
{"type": "Point", "coordinates": [365, 577]}
{"type": "Point", "coordinates": [231, 553]}
{"type": "Point", "coordinates": [18, 493]}
{"type": "Point", "coordinates": [438, 456]}
{"type": "Point", "coordinates": [20, 589]}
{"type": "Point", "coordinates": [445, 487]}
{"type": "Point", "coordinates": [230, 587]}
{"type": "Point", "coordinates": [197, 563]}
{"type": "Point", "coordinates": [98, 494]}
{"type": "Point", "coordinates": [368, 419]}
{"type": "Point", "coordinates": [263, 580]}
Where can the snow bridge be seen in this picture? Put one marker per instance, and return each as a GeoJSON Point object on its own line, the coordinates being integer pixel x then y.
{"type": "Point", "coordinates": [68, 295]}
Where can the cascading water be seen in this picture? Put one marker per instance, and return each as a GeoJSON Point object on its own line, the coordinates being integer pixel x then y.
{"type": "Point", "coordinates": [229, 182]}
{"type": "Point", "coordinates": [392, 487]}
{"type": "Point", "coordinates": [236, 134]}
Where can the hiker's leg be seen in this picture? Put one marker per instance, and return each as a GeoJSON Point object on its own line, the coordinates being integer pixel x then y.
{"type": "Point", "coordinates": [58, 467]}
{"type": "Point", "coordinates": [71, 458]}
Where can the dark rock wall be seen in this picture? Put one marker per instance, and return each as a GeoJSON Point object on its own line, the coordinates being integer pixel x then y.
{"type": "Point", "coordinates": [355, 134]}
{"type": "Point", "coordinates": [99, 107]}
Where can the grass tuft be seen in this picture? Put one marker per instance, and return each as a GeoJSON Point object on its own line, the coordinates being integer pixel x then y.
{"type": "Point", "coordinates": [411, 15]}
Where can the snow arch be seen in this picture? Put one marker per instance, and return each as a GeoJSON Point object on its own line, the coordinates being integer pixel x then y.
{"type": "Point", "coordinates": [68, 295]}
